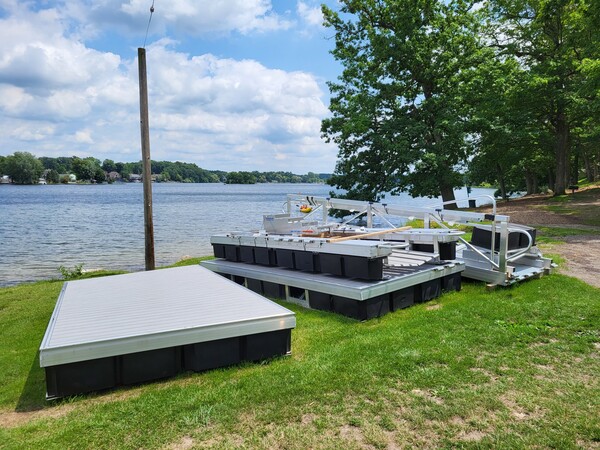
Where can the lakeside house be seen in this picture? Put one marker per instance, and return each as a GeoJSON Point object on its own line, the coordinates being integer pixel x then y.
{"type": "Point", "coordinates": [135, 178]}
{"type": "Point", "coordinates": [67, 178]}
{"type": "Point", "coordinates": [5, 179]}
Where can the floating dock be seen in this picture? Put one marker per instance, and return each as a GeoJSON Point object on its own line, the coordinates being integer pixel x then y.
{"type": "Point", "coordinates": [139, 327]}
{"type": "Point", "coordinates": [408, 278]}
{"type": "Point", "coordinates": [353, 259]}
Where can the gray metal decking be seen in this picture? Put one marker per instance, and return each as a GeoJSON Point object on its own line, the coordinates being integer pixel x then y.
{"type": "Point", "coordinates": [395, 278]}
{"type": "Point", "coordinates": [134, 314]}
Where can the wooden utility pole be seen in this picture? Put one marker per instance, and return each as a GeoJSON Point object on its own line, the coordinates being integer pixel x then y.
{"type": "Point", "coordinates": [146, 176]}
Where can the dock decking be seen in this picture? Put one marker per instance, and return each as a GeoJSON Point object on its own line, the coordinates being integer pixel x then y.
{"type": "Point", "coordinates": [401, 286]}
{"type": "Point", "coordinates": [133, 328]}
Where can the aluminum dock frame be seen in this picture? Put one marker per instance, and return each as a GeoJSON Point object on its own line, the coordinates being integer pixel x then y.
{"type": "Point", "coordinates": [401, 286]}
{"type": "Point", "coordinates": [490, 257]}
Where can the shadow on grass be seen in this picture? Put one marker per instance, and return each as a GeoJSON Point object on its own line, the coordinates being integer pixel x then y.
{"type": "Point", "coordinates": [33, 395]}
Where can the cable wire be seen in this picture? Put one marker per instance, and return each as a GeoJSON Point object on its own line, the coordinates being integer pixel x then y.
{"type": "Point", "coordinates": [149, 20]}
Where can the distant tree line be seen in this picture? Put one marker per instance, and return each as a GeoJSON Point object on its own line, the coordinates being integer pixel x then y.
{"type": "Point", "coordinates": [274, 177]}
{"type": "Point", "coordinates": [26, 168]}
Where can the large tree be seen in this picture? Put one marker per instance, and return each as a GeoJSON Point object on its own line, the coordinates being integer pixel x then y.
{"type": "Point", "coordinates": [23, 168]}
{"type": "Point", "coordinates": [510, 143]}
{"type": "Point", "coordinates": [554, 41]}
{"type": "Point", "coordinates": [85, 169]}
{"type": "Point", "coordinates": [398, 114]}
{"type": "Point", "coordinates": [108, 165]}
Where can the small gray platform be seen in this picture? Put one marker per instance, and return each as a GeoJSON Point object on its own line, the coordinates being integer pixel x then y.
{"type": "Point", "coordinates": [400, 287]}
{"type": "Point", "coordinates": [101, 319]}
{"type": "Point", "coordinates": [395, 279]}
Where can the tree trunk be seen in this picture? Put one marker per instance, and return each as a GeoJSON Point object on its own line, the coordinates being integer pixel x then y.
{"type": "Point", "coordinates": [575, 167]}
{"type": "Point", "coordinates": [561, 153]}
{"type": "Point", "coordinates": [501, 181]}
{"type": "Point", "coordinates": [529, 181]}
{"type": "Point", "coordinates": [448, 195]}
{"type": "Point", "coordinates": [550, 179]}
{"type": "Point", "coordinates": [535, 188]}
{"type": "Point", "coordinates": [589, 169]}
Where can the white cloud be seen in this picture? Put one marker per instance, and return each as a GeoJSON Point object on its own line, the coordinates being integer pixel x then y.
{"type": "Point", "coordinates": [182, 82]}
{"type": "Point", "coordinates": [35, 52]}
{"type": "Point", "coordinates": [33, 133]}
{"type": "Point", "coordinates": [84, 136]}
{"type": "Point", "coordinates": [13, 99]}
{"type": "Point", "coordinates": [193, 17]}
{"type": "Point", "coordinates": [235, 112]}
{"type": "Point", "coordinates": [60, 97]}
{"type": "Point", "coordinates": [311, 15]}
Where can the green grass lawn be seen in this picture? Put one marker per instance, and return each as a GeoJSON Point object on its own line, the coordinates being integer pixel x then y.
{"type": "Point", "coordinates": [553, 235]}
{"type": "Point", "coordinates": [509, 368]}
{"type": "Point", "coordinates": [580, 204]}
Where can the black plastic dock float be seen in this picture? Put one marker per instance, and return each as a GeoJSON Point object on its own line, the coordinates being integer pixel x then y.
{"type": "Point", "coordinates": [139, 327]}
{"type": "Point", "coordinates": [309, 261]}
{"type": "Point", "coordinates": [358, 298]}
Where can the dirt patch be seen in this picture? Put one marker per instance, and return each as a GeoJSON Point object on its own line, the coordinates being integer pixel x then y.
{"type": "Point", "coordinates": [428, 396]}
{"type": "Point", "coordinates": [352, 433]}
{"type": "Point", "coordinates": [539, 210]}
{"type": "Point", "coordinates": [307, 419]}
{"type": "Point", "coordinates": [533, 213]}
{"type": "Point", "coordinates": [581, 257]}
{"type": "Point", "coordinates": [184, 444]}
{"type": "Point", "coordinates": [12, 419]}
{"type": "Point", "coordinates": [543, 343]}
{"type": "Point", "coordinates": [574, 209]}
{"type": "Point", "coordinates": [472, 436]}
{"type": "Point", "coordinates": [458, 421]}
{"type": "Point", "coordinates": [587, 444]}
{"type": "Point", "coordinates": [517, 411]}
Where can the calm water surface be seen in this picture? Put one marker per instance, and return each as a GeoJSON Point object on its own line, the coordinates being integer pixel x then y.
{"type": "Point", "coordinates": [44, 227]}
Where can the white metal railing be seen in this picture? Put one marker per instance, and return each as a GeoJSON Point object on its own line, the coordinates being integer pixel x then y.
{"type": "Point", "coordinates": [497, 259]}
{"type": "Point", "coordinates": [450, 202]}
{"type": "Point", "coordinates": [519, 253]}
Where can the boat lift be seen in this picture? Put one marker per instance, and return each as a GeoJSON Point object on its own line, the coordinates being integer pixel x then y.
{"type": "Point", "coordinates": [499, 253]}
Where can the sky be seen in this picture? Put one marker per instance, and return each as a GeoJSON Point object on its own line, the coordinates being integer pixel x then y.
{"type": "Point", "coordinates": [233, 84]}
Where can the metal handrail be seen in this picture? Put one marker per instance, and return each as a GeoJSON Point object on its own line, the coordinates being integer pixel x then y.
{"type": "Point", "coordinates": [520, 253]}
{"type": "Point", "coordinates": [469, 198]}
{"type": "Point", "coordinates": [431, 213]}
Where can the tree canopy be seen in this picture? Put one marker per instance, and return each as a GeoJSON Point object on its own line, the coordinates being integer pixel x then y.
{"type": "Point", "coordinates": [555, 42]}
{"type": "Point", "coordinates": [23, 168]}
{"type": "Point", "coordinates": [506, 90]}
{"type": "Point", "coordinates": [398, 114]}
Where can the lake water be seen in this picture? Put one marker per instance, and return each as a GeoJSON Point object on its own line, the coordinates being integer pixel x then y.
{"type": "Point", "coordinates": [102, 226]}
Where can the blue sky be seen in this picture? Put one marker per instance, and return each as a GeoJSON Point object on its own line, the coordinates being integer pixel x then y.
{"type": "Point", "coordinates": [234, 84]}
